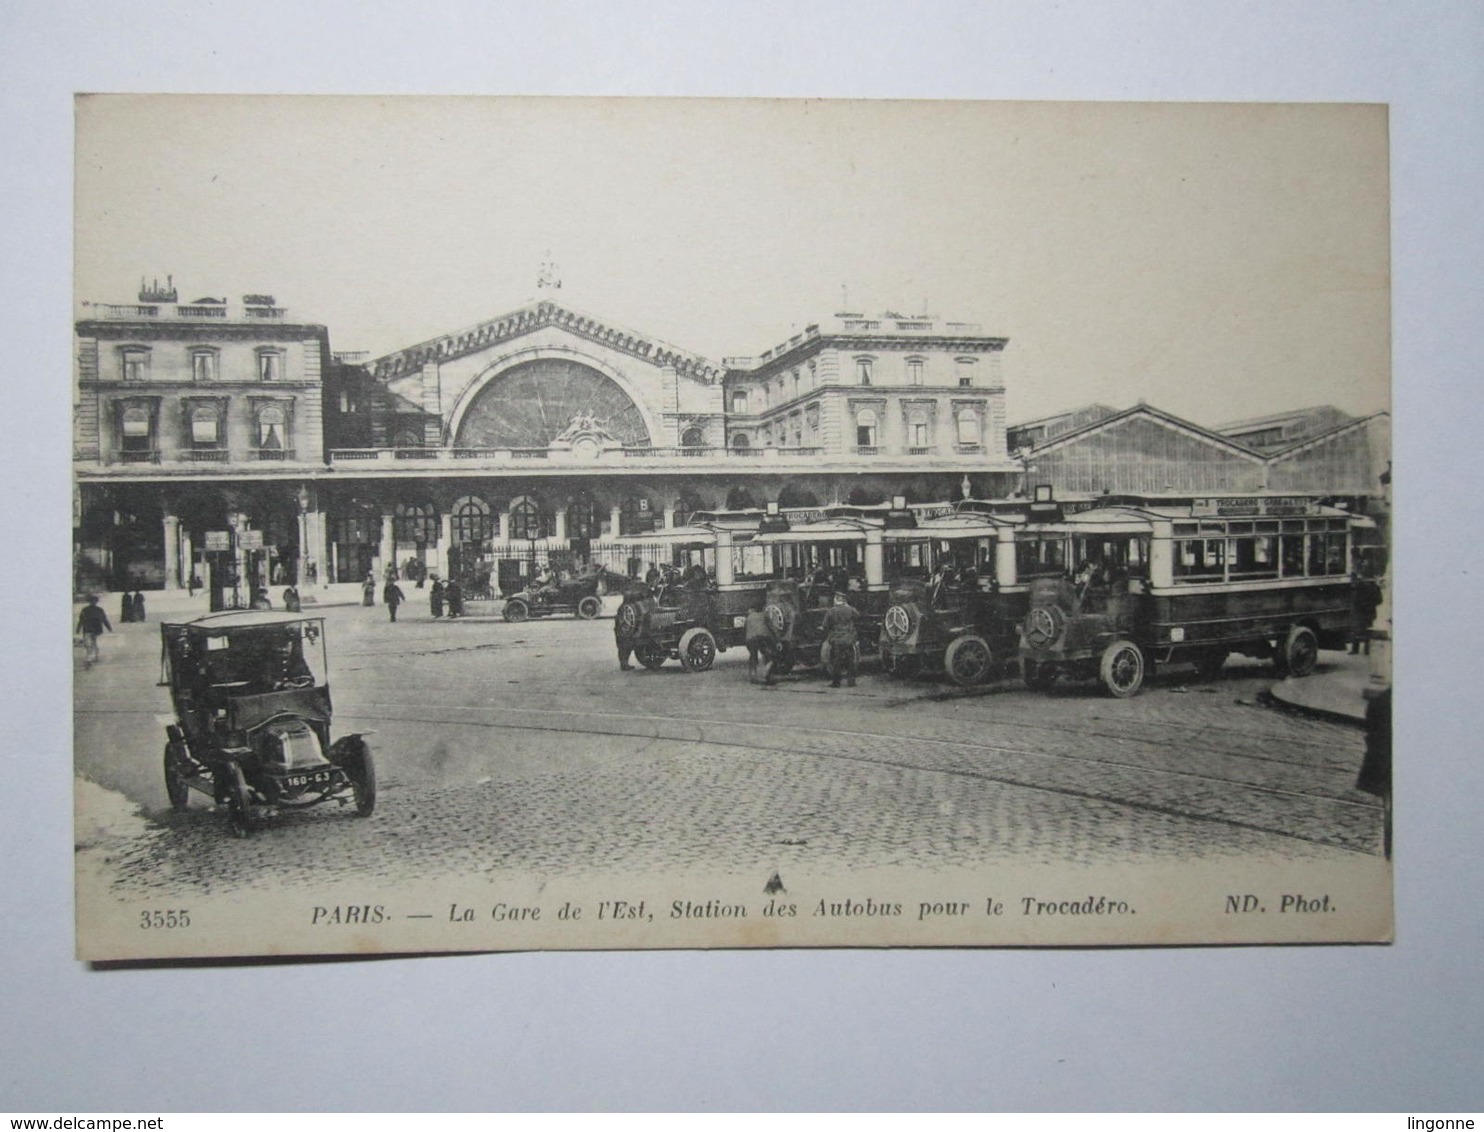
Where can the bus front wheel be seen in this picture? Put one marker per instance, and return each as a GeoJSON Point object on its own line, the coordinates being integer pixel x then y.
{"type": "Point", "coordinates": [1122, 669]}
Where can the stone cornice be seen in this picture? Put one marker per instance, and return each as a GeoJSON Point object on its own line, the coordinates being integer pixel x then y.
{"type": "Point", "coordinates": [813, 344]}
{"type": "Point", "coordinates": [537, 316]}
{"type": "Point", "coordinates": [192, 388]}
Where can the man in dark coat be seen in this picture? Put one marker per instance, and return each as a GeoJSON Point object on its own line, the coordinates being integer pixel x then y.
{"type": "Point", "coordinates": [435, 597]}
{"type": "Point", "coordinates": [393, 597]}
{"type": "Point", "coordinates": [758, 635]}
{"type": "Point", "coordinates": [453, 593]}
{"type": "Point", "coordinates": [840, 635]}
{"type": "Point", "coordinates": [91, 623]}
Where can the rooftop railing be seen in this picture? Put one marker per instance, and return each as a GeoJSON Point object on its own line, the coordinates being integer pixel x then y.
{"type": "Point", "coordinates": [175, 311]}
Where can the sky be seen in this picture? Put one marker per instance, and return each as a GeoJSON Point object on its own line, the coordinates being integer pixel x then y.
{"type": "Point", "coordinates": [1218, 261]}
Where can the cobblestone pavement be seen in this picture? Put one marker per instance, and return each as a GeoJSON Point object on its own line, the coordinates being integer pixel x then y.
{"type": "Point", "coordinates": [523, 747]}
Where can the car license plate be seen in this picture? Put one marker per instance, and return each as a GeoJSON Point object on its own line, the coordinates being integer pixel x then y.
{"type": "Point", "coordinates": [316, 778]}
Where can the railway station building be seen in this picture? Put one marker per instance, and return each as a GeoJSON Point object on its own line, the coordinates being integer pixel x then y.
{"type": "Point", "coordinates": [226, 442]}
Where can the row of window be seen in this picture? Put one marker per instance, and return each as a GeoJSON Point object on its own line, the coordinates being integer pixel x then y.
{"type": "Point", "coordinates": [1317, 554]}
{"type": "Point", "coordinates": [801, 379]}
{"type": "Point", "coordinates": [919, 435]}
{"type": "Point", "coordinates": [205, 428]}
{"type": "Point", "coordinates": [205, 361]}
{"type": "Point", "coordinates": [868, 422]}
{"type": "Point", "coordinates": [1261, 556]}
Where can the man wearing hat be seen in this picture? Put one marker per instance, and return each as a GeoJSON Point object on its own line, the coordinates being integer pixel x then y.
{"type": "Point", "coordinates": [839, 634]}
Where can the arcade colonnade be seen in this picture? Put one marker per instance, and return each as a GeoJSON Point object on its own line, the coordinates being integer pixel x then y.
{"type": "Point", "coordinates": [310, 532]}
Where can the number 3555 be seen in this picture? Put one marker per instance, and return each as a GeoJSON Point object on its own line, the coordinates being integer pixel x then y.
{"type": "Point", "coordinates": [162, 919]}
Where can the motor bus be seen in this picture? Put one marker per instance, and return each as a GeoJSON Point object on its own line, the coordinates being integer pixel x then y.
{"type": "Point", "coordinates": [1124, 586]}
{"type": "Point", "coordinates": [802, 566]}
{"type": "Point", "coordinates": [955, 603]}
{"type": "Point", "coordinates": [686, 600]}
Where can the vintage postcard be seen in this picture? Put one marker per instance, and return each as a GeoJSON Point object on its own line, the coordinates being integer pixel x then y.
{"type": "Point", "coordinates": [633, 523]}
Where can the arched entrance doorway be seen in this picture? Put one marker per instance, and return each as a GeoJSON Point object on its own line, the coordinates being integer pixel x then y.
{"type": "Point", "coordinates": [472, 526]}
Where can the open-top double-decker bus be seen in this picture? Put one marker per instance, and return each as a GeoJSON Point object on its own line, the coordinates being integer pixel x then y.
{"type": "Point", "coordinates": [1127, 585]}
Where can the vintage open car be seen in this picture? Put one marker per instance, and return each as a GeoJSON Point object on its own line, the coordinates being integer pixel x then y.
{"type": "Point", "coordinates": [252, 719]}
{"type": "Point", "coordinates": [578, 592]}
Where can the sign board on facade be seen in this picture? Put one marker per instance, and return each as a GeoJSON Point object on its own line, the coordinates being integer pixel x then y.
{"type": "Point", "coordinates": [1251, 505]}
{"type": "Point", "coordinates": [218, 540]}
{"type": "Point", "coordinates": [250, 540]}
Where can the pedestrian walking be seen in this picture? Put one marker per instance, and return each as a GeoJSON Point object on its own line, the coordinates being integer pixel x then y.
{"type": "Point", "coordinates": [1365, 600]}
{"type": "Point", "coordinates": [193, 584]}
{"type": "Point", "coordinates": [392, 595]}
{"type": "Point", "coordinates": [758, 635]}
{"type": "Point", "coordinates": [126, 608]}
{"type": "Point", "coordinates": [291, 600]}
{"type": "Point", "coordinates": [840, 635]}
{"type": "Point", "coordinates": [453, 593]}
{"type": "Point", "coordinates": [91, 623]}
{"type": "Point", "coordinates": [368, 589]}
{"type": "Point", "coordinates": [435, 597]}
{"type": "Point", "coordinates": [138, 606]}
{"type": "Point", "coordinates": [260, 599]}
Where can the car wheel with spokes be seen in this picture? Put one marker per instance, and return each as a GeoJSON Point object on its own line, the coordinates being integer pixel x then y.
{"type": "Point", "coordinates": [589, 607]}
{"type": "Point", "coordinates": [697, 649]}
{"type": "Point", "coordinates": [360, 768]}
{"type": "Point", "coordinates": [968, 660]}
{"type": "Point", "coordinates": [175, 781]}
{"type": "Point", "coordinates": [1300, 655]}
{"type": "Point", "coordinates": [1122, 669]}
{"type": "Point", "coordinates": [652, 656]}
{"type": "Point", "coordinates": [240, 812]}
{"type": "Point", "coordinates": [517, 610]}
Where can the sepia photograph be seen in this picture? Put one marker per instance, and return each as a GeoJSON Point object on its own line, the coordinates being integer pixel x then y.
{"type": "Point", "coordinates": [629, 523]}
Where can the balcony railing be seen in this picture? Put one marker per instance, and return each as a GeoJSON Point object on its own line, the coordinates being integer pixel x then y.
{"type": "Point", "coordinates": [206, 455]}
{"type": "Point", "coordinates": [136, 455]}
{"type": "Point", "coordinates": [212, 311]}
{"type": "Point", "coordinates": [634, 454]}
{"type": "Point", "coordinates": [271, 454]}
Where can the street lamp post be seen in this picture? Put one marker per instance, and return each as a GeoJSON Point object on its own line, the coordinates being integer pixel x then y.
{"type": "Point", "coordinates": [304, 563]}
